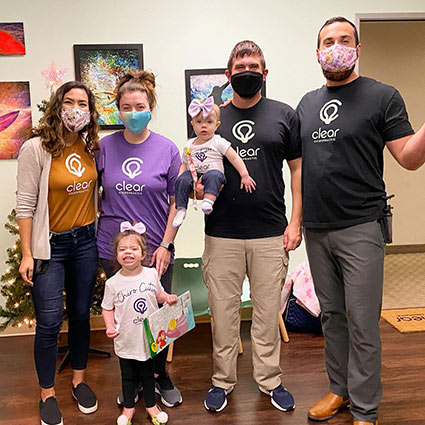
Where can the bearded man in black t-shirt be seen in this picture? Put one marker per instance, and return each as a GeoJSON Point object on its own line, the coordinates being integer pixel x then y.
{"type": "Point", "coordinates": [345, 126]}
{"type": "Point", "coordinates": [248, 234]}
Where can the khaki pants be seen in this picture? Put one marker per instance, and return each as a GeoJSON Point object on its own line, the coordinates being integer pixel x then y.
{"type": "Point", "coordinates": [225, 264]}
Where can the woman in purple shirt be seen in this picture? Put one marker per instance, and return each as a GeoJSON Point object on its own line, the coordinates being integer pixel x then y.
{"type": "Point", "coordinates": [138, 170]}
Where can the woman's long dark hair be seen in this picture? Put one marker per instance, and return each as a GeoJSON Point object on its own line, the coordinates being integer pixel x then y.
{"type": "Point", "coordinates": [51, 129]}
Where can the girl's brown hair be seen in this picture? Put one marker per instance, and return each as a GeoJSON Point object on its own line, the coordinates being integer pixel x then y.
{"type": "Point", "coordinates": [137, 80]}
{"type": "Point", "coordinates": [141, 239]}
{"type": "Point", "coordinates": [51, 129]}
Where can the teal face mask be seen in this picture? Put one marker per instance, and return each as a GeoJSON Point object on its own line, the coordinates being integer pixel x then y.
{"type": "Point", "coordinates": [136, 122]}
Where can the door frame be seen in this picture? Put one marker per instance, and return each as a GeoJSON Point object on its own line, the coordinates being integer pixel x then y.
{"type": "Point", "coordinates": [368, 17]}
{"type": "Point", "coordinates": [398, 246]}
{"type": "Point", "coordinates": [378, 17]}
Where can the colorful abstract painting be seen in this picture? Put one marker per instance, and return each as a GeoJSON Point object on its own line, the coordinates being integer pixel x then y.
{"type": "Point", "coordinates": [100, 67]}
{"type": "Point", "coordinates": [12, 41]}
{"type": "Point", "coordinates": [202, 83]}
{"type": "Point", "coordinates": [15, 117]}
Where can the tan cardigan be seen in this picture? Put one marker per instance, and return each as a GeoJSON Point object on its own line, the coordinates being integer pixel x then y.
{"type": "Point", "coordinates": [32, 195]}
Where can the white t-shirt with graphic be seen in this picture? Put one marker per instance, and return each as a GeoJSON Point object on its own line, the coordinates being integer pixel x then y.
{"type": "Point", "coordinates": [132, 298]}
{"type": "Point", "coordinates": [209, 155]}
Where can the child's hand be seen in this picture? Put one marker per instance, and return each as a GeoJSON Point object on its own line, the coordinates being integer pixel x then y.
{"type": "Point", "coordinates": [248, 183]}
{"type": "Point", "coordinates": [171, 299]}
{"type": "Point", "coordinates": [112, 332]}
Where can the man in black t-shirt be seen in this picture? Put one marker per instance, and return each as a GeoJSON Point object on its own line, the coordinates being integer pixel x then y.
{"type": "Point", "coordinates": [345, 126]}
{"type": "Point", "coordinates": [248, 234]}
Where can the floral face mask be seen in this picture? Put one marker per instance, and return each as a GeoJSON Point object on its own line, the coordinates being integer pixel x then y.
{"type": "Point", "coordinates": [75, 119]}
{"type": "Point", "coordinates": [338, 58]}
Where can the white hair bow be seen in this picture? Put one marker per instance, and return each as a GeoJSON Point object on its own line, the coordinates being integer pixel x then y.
{"type": "Point", "coordinates": [205, 107]}
{"type": "Point", "coordinates": [138, 227]}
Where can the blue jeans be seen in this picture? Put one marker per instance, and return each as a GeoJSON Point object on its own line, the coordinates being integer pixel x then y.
{"type": "Point", "coordinates": [72, 267]}
{"type": "Point", "coordinates": [212, 181]}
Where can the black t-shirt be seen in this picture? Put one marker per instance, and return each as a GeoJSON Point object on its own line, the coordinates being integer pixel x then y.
{"type": "Point", "coordinates": [263, 136]}
{"type": "Point", "coordinates": [343, 131]}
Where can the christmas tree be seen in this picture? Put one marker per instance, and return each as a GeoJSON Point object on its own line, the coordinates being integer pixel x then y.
{"type": "Point", "coordinates": [19, 309]}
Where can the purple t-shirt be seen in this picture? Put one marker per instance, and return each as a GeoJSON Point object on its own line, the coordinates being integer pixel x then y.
{"type": "Point", "coordinates": [137, 180]}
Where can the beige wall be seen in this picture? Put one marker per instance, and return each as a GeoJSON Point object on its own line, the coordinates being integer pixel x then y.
{"type": "Point", "coordinates": [394, 53]}
{"type": "Point", "coordinates": [176, 35]}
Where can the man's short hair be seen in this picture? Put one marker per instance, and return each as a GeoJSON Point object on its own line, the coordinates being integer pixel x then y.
{"type": "Point", "coordinates": [338, 19]}
{"type": "Point", "coordinates": [245, 48]}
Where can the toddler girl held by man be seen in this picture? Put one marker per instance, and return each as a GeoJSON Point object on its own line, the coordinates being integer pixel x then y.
{"type": "Point", "coordinates": [207, 151]}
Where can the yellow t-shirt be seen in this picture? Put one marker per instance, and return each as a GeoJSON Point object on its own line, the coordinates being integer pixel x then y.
{"type": "Point", "coordinates": [72, 181]}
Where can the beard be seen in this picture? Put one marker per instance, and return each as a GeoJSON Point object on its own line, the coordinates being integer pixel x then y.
{"type": "Point", "coordinates": [338, 75]}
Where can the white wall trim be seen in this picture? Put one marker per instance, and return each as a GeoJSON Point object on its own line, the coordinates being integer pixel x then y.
{"type": "Point", "coordinates": [367, 17]}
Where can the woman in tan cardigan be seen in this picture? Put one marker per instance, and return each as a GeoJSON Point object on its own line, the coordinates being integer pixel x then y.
{"type": "Point", "coordinates": [56, 213]}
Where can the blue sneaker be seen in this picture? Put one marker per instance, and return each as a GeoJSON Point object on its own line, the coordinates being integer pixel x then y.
{"type": "Point", "coordinates": [216, 399]}
{"type": "Point", "coordinates": [282, 399]}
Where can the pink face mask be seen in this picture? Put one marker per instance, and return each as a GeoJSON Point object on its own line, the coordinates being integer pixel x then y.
{"type": "Point", "coordinates": [75, 119]}
{"type": "Point", "coordinates": [337, 58]}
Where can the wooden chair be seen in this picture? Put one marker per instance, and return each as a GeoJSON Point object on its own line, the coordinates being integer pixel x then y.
{"type": "Point", "coordinates": [187, 276]}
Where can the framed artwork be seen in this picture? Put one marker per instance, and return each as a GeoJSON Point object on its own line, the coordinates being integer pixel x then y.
{"type": "Point", "coordinates": [12, 41]}
{"type": "Point", "coordinates": [100, 66]}
{"type": "Point", "coordinates": [203, 83]}
{"type": "Point", "coordinates": [15, 117]}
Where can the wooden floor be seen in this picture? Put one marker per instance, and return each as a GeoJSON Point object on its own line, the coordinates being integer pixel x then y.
{"type": "Point", "coordinates": [302, 359]}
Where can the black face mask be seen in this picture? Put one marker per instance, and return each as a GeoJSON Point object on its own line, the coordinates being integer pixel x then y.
{"type": "Point", "coordinates": [246, 84]}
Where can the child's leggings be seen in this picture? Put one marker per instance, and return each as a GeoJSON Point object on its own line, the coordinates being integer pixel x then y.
{"type": "Point", "coordinates": [134, 372]}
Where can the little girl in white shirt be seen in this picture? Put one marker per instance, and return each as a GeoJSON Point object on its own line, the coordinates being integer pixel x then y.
{"type": "Point", "coordinates": [131, 295]}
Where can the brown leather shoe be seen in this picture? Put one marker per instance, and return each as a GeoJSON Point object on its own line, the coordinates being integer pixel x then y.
{"type": "Point", "coordinates": [364, 423]}
{"type": "Point", "coordinates": [327, 407]}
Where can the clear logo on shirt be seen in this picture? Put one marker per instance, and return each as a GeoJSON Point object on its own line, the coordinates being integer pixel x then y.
{"type": "Point", "coordinates": [131, 167]}
{"type": "Point", "coordinates": [140, 305]}
{"type": "Point", "coordinates": [328, 113]}
{"type": "Point", "coordinates": [201, 155]}
{"type": "Point", "coordinates": [244, 132]}
{"type": "Point", "coordinates": [74, 166]}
